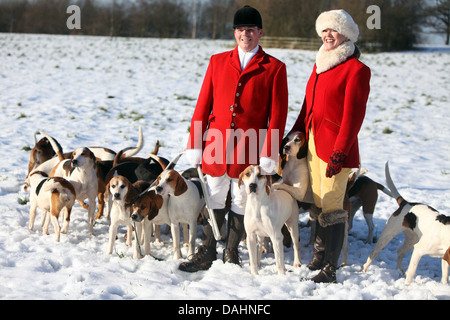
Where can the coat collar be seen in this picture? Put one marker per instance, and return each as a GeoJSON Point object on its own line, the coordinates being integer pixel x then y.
{"type": "Point", "coordinates": [326, 60]}
{"type": "Point", "coordinates": [252, 65]}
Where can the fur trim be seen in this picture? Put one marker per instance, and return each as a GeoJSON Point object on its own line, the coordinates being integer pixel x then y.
{"type": "Point", "coordinates": [340, 21]}
{"type": "Point", "coordinates": [326, 60]}
{"type": "Point", "coordinates": [314, 212]}
{"type": "Point", "coordinates": [327, 219]}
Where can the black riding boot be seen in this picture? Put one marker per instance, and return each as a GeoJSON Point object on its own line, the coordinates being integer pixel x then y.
{"type": "Point", "coordinates": [333, 247]}
{"type": "Point", "coordinates": [234, 236]}
{"type": "Point", "coordinates": [319, 248]}
{"type": "Point", "coordinates": [206, 253]}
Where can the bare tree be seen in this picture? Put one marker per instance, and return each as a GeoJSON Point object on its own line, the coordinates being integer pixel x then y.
{"type": "Point", "coordinates": [216, 19]}
{"type": "Point", "coordinates": [11, 12]}
{"type": "Point", "coordinates": [439, 18]}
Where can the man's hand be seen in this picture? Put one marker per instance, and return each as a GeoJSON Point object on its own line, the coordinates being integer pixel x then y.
{"type": "Point", "coordinates": [268, 165]}
{"type": "Point", "coordinates": [194, 156]}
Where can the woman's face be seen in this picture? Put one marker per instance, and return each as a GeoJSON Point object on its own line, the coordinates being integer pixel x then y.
{"type": "Point", "coordinates": [332, 39]}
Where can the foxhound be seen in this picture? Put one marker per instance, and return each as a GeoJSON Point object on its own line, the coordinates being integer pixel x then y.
{"type": "Point", "coordinates": [80, 171]}
{"type": "Point", "coordinates": [41, 152]}
{"type": "Point", "coordinates": [266, 211]}
{"type": "Point", "coordinates": [185, 204]}
{"type": "Point", "coordinates": [44, 158]}
{"type": "Point", "coordinates": [51, 195]}
{"type": "Point", "coordinates": [295, 175]}
{"type": "Point", "coordinates": [294, 168]}
{"type": "Point", "coordinates": [427, 231]}
{"type": "Point", "coordinates": [123, 193]}
{"type": "Point", "coordinates": [149, 209]}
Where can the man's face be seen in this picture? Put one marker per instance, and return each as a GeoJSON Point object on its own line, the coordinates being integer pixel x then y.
{"type": "Point", "coordinates": [247, 38]}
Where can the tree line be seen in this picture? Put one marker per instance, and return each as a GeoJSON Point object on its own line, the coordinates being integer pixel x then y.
{"type": "Point", "coordinates": [401, 20]}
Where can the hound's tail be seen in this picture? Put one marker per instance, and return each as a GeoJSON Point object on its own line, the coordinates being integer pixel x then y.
{"type": "Point", "coordinates": [64, 188]}
{"type": "Point", "coordinates": [56, 147]}
{"type": "Point", "coordinates": [393, 190]}
{"type": "Point", "coordinates": [139, 146]}
{"type": "Point", "coordinates": [384, 190]}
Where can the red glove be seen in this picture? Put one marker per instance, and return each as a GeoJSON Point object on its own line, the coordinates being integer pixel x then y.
{"type": "Point", "coordinates": [335, 163]}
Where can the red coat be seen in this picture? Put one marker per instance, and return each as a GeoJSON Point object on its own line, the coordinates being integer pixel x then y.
{"type": "Point", "coordinates": [232, 102]}
{"type": "Point", "coordinates": [335, 106]}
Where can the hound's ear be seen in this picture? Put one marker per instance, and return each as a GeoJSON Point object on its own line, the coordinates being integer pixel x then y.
{"type": "Point", "coordinates": [283, 159]}
{"type": "Point", "coordinates": [283, 143]}
{"type": "Point", "coordinates": [153, 211]}
{"type": "Point", "coordinates": [107, 193]}
{"type": "Point", "coordinates": [67, 166]}
{"type": "Point", "coordinates": [131, 193]}
{"type": "Point", "coordinates": [94, 160]}
{"type": "Point", "coordinates": [181, 186]}
{"type": "Point", "coordinates": [159, 201]}
{"type": "Point", "coordinates": [241, 175]}
{"type": "Point", "coordinates": [155, 204]}
{"type": "Point", "coordinates": [268, 184]}
{"type": "Point", "coordinates": [303, 150]}
{"type": "Point", "coordinates": [92, 155]}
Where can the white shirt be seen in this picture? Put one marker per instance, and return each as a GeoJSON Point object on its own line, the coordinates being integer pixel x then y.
{"type": "Point", "coordinates": [245, 57]}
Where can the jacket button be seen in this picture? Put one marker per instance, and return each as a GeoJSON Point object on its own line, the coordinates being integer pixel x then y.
{"type": "Point", "coordinates": [232, 124]}
{"type": "Point", "coordinates": [231, 108]}
{"type": "Point", "coordinates": [239, 84]}
{"type": "Point", "coordinates": [234, 114]}
{"type": "Point", "coordinates": [237, 94]}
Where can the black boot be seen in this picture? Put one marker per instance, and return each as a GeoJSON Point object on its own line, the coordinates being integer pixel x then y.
{"type": "Point", "coordinates": [206, 253]}
{"type": "Point", "coordinates": [319, 248]}
{"type": "Point", "coordinates": [333, 247]}
{"type": "Point", "coordinates": [202, 260]}
{"type": "Point", "coordinates": [208, 234]}
{"type": "Point", "coordinates": [234, 236]}
{"type": "Point", "coordinates": [231, 255]}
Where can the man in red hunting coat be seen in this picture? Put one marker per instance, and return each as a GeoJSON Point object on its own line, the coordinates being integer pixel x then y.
{"type": "Point", "coordinates": [239, 120]}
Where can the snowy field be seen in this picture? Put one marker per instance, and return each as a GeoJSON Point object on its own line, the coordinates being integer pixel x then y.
{"type": "Point", "coordinates": [97, 91]}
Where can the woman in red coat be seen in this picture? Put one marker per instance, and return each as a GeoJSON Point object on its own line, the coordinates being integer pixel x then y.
{"type": "Point", "coordinates": [331, 116]}
{"type": "Point", "coordinates": [239, 120]}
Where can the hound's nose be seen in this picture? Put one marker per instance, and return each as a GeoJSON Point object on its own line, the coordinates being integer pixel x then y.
{"type": "Point", "coordinates": [135, 217]}
{"type": "Point", "coordinates": [287, 148]}
{"type": "Point", "coordinates": [117, 195]}
{"type": "Point", "coordinates": [74, 162]}
{"type": "Point", "coordinates": [252, 187]}
{"type": "Point", "coordinates": [158, 189]}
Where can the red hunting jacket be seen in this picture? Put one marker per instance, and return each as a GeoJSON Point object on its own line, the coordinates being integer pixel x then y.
{"type": "Point", "coordinates": [234, 106]}
{"type": "Point", "coordinates": [334, 107]}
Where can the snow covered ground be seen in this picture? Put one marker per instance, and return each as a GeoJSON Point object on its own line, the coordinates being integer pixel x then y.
{"type": "Point", "coordinates": [89, 91]}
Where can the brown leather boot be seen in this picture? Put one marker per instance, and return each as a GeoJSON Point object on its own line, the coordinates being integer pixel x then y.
{"type": "Point", "coordinates": [202, 260]}
{"type": "Point", "coordinates": [319, 248]}
{"type": "Point", "coordinates": [231, 255]}
{"type": "Point", "coordinates": [333, 247]}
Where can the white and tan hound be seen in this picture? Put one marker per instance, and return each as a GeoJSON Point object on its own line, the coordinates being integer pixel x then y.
{"type": "Point", "coordinates": [80, 171]}
{"type": "Point", "coordinates": [147, 210]}
{"type": "Point", "coordinates": [427, 231]}
{"type": "Point", "coordinates": [51, 195]}
{"type": "Point", "coordinates": [185, 204]}
{"type": "Point", "coordinates": [123, 193]}
{"type": "Point", "coordinates": [266, 211]}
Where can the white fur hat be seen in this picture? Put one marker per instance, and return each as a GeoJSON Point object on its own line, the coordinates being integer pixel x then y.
{"type": "Point", "coordinates": [340, 21]}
